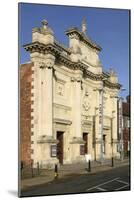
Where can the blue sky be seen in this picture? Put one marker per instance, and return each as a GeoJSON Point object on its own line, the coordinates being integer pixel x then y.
{"type": "Point", "coordinates": [108, 27]}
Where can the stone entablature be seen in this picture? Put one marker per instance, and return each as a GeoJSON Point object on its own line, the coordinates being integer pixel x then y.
{"type": "Point", "coordinates": [41, 48]}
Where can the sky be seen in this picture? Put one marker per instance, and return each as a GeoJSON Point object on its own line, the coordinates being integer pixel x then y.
{"type": "Point", "coordinates": [107, 27]}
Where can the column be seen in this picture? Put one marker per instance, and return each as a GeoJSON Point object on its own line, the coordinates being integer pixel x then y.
{"type": "Point", "coordinates": [47, 103]}
{"type": "Point", "coordinates": [76, 107]}
{"type": "Point", "coordinates": [45, 138]}
{"type": "Point", "coordinates": [46, 98]}
{"type": "Point", "coordinates": [77, 139]}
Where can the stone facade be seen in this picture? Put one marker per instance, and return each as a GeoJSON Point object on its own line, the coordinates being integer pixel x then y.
{"type": "Point", "coordinates": [74, 104]}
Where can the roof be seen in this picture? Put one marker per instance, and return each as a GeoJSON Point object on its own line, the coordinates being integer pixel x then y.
{"type": "Point", "coordinates": [83, 37]}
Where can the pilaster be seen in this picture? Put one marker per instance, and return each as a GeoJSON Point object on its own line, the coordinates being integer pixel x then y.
{"type": "Point", "coordinates": [46, 99]}
{"type": "Point", "coordinates": [76, 107]}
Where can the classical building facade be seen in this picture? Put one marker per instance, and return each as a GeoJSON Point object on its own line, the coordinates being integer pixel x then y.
{"type": "Point", "coordinates": [73, 100]}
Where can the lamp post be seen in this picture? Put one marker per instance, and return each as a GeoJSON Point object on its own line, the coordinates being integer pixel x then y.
{"type": "Point", "coordinates": [101, 118]}
{"type": "Point", "coordinates": [121, 125]}
{"type": "Point", "coordinates": [94, 131]}
{"type": "Point", "coordinates": [113, 97]}
{"type": "Point", "coordinates": [112, 142]}
{"type": "Point", "coordinates": [121, 129]}
{"type": "Point", "coordinates": [101, 123]}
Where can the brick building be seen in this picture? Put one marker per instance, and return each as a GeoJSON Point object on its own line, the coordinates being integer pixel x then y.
{"type": "Point", "coordinates": [126, 125]}
{"type": "Point", "coordinates": [25, 112]}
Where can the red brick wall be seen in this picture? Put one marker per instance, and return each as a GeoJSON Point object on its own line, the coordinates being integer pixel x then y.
{"type": "Point", "coordinates": [126, 138]}
{"type": "Point", "coordinates": [25, 112]}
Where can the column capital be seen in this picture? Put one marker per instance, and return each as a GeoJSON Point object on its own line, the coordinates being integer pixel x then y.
{"type": "Point", "coordinates": [46, 64]}
{"type": "Point", "coordinates": [76, 79]}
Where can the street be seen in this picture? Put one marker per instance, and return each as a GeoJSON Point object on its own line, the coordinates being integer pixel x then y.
{"type": "Point", "coordinates": [116, 179]}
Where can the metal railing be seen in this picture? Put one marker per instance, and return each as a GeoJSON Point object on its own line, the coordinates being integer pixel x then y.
{"type": "Point", "coordinates": [30, 170]}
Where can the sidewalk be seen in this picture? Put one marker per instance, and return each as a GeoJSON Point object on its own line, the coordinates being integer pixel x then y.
{"type": "Point", "coordinates": [69, 170]}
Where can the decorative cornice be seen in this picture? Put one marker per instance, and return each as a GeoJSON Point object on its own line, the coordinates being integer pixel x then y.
{"type": "Point", "coordinates": [62, 47]}
{"type": "Point", "coordinates": [112, 85]}
{"type": "Point", "coordinates": [86, 123]}
{"type": "Point", "coordinates": [46, 139]}
{"type": "Point", "coordinates": [60, 106]}
{"type": "Point", "coordinates": [65, 59]}
{"type": "Point", "coordinates": [77, 140]}
{"type": "Point", "coordinates": [62, 121]}
{"type": "Point", "coordinates": [84, 38]}
{"type": "Point", "coordinates": [41, 48]}
{"type": "Point", "coordinates": [106, 127]}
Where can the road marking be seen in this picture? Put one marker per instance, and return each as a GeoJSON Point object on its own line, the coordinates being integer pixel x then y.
{"type": "Point", "coordinates": [121, 187]}
{"type": "Point", "coordinates": [102, 184]}
{"type": "Point", "coordinates": [101, 189]}
{"type": "Point", "coordinates": [122, 182]}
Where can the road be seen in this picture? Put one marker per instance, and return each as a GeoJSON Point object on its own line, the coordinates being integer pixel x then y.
{"type": "Point", "coordinates": [116, 179]}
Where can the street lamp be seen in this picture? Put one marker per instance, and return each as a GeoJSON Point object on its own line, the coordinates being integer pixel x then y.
{"type": "Point", "coordinates": [120, 120]}
{"type": "Point", "coordinates": [121, 125]}
{"type": "Point", "coordinates": [112, 157]}
{"type": "Point", "coordinates": [101, 116]}
{"type": "Point", "coordinates": [101, 122]}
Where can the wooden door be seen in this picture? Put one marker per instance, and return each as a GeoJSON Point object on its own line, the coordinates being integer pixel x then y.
{"type": "Point", "coordinates": [85, 138]}
{"type": "Point", "coordinates": [60, 147]}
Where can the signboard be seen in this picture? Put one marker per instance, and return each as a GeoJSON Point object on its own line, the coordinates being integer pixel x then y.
{"type": "Point", "coordinates": [82, 149]}
{"type": "Point", "coordinates": [88, 157]}
{"type": "Point", "coordinates": [53, 150]}
{"type": "Point", "coordinates": [120, 118]}
{"type": "Point", "coordinates": [100, 113]}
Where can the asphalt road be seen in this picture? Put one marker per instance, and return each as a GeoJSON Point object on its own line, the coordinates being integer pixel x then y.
{"type": "Point", "coordinates": [117, 179]}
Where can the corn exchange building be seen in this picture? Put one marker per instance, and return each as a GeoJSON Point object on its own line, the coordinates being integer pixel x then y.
{"type": "Point", "coordinates": [71, 102]}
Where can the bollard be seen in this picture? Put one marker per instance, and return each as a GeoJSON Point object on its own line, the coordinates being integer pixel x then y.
{"type": "Point", "coordinates": [56, 171]}
{"type": "Point", "coordinates": [22, 165]}
{"type": "Point", "coordinates": [112, 161]}
{"type": "Point", "coordinates": [38, 169]}
{"type": "Point", "coordinates": [89, 166]}
{"type": "Point", "coordinates": [32, 173]}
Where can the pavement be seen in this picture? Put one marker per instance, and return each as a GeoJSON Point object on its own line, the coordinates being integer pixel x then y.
{"type": "Point", "coordinates": [69, 170]}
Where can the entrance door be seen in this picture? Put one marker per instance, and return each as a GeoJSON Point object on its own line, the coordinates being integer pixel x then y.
{"type": "Point", "coordinates": [85, 138]}
{"type": "Point", "coordinates": [60, 147]}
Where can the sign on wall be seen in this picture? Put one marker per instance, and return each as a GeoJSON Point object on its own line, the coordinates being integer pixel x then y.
{"type": "Point", "coordinates": [120, 118]}
{"type": "Point", "coordinates": [53, 150]}
{"type": "Point", "coordinates": [82, 149]}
